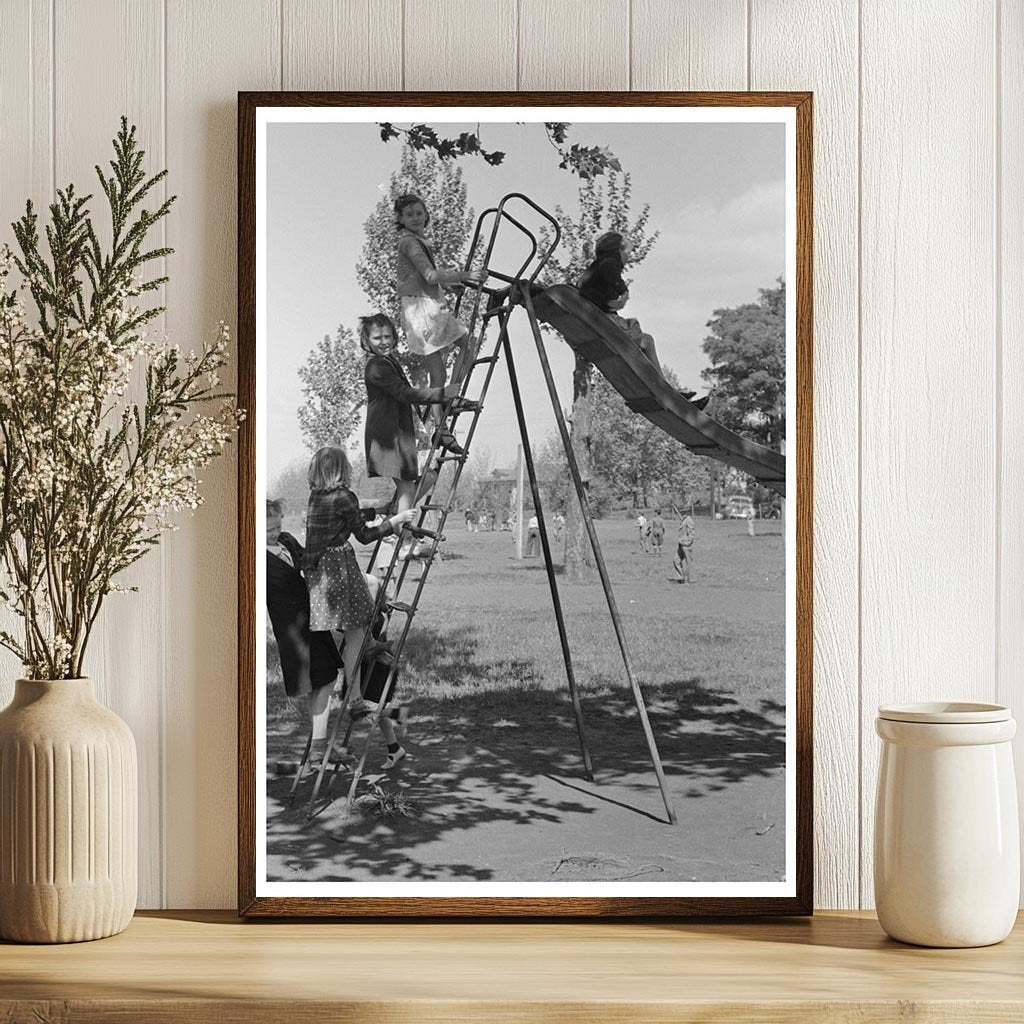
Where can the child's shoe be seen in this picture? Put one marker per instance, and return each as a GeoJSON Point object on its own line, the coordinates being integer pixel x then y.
{"type": "Point", "coordinates": [446, 439]}
{"type": "Point", "coordinates": [361, 708]}
{"type": "Point", "coordinates": [701, 403]}
{"type": "Point", "coordinates": [392, 759]}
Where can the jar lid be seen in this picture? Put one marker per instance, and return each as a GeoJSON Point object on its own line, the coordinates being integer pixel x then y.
{"type": "Point", "coordinates": [944, 713]}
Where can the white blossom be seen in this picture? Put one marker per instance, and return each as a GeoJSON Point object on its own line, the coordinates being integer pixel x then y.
{"type": "Point", "coordinates": [87, 481]}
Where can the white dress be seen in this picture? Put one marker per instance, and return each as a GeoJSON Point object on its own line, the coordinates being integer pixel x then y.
{"type": "Point", "coordinates": [429, 325]}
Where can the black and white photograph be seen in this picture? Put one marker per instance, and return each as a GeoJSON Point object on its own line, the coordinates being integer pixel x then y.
{"type": "Point", "coordinates": [525, 459]}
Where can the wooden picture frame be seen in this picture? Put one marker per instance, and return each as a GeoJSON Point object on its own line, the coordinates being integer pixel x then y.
{"type": "Point", "coordinates": [258, 896]}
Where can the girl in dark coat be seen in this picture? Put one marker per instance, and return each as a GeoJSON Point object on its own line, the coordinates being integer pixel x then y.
{"type": "Point", "coordinates": [602, 284]}
{"type": "Point", "coordinates": [390, 437]}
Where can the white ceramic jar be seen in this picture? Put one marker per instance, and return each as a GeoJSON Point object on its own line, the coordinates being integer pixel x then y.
{"type": "Point", "coordinates": [947, 847]}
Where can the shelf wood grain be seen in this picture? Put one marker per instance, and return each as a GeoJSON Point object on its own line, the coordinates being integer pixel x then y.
{"type": "Point", "coordinates": [203, 967]}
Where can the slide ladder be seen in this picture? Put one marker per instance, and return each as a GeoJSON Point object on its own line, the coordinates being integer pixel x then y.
{"type": "Point", "coordinates": [595, 336]}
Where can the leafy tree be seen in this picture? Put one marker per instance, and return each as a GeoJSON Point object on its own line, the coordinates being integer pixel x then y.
{"type": "Point", "coordinates": [747, 351]}
{"type": "Point", "coordinates": [332, 382]}
{"type": "Point", "coordinates": [602, 206]}
{"type": "Point", "coordinates": [585, 161]}
{"type": "Point", "coordinates": [637, 458]}
{"type": "Point", "coordinates": [556, 486]}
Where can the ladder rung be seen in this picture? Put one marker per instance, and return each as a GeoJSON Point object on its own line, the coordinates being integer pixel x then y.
{"type": "Point", "coordinates": [452, 458]}
{"type": "Point", "coordinates": [461, 404]}
{"type": "Point", "coordinates": [422, 531]}
{"type": "Point", "coordinates": [401, 606]}
{"type": "Point", "coordinates": [428, 506]}
{"type": "Point", "coordinates": [485, 359]}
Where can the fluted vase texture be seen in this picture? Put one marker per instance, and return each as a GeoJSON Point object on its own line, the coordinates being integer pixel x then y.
{"type": "Point", "coordinates": [68, 815]}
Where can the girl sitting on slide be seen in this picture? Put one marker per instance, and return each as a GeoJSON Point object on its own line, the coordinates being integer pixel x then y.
{"type": "Point", "coordinates": [602, 284]}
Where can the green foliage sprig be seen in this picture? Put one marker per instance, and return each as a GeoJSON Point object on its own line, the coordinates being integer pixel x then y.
{"type": "Point", "coordinates": [89, 476]}
{"type": "Point", "coordinates": [584, 161]}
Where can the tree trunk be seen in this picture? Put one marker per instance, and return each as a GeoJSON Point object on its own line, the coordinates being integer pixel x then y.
{"type": "Point", "coordinates": [579, 558]}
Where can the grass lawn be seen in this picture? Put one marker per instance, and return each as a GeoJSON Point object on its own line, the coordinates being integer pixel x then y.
{"type": "Point", "coordinates": [495, 787]}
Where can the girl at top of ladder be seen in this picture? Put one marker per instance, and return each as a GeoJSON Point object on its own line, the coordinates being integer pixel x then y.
{"type": "Point", "coordinates": [603, 285]}
{"type": "Point", "coordinates": [390, 440]}
{"type": "Point", "coordinates": [430, 326]}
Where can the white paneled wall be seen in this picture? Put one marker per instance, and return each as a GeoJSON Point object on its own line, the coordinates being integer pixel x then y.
{"type": "Point", "coordinates": [919, 324]}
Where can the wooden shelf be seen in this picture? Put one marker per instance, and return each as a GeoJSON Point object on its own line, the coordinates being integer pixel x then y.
{"type": "Point", "coordinates": [209, 966]}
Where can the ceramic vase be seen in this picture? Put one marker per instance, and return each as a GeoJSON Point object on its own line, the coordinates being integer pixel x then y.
{"type": "Point", "coordinates": [947, 847]}
{"type": "Point", "coordinates": [68, 815]}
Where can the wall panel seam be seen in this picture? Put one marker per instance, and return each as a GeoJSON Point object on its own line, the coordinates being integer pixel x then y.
{"type": "Point", "coordinates": [519, 36]}
{"type": "Point", "coordinates": [997, 323]}
{"type": "Point", "coordinates": [162, 701]}
{"type": "Point", "coordinates": [53, 99]}
{"type": "Point", "coordinates": [31, 88]}
{"type": "Point", "coordinates": [859, 868]}
{"type": "Point", "coordinates": [749, 47]}
{"type": "Point", "coordinates": [629, 45]}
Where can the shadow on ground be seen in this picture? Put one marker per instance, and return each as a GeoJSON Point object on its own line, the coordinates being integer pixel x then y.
{"type": "Point", "coordinates": [495, 750]}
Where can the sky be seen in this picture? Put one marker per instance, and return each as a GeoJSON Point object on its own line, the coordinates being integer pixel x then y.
{"type": "Point", "coordinates": [716, 194]}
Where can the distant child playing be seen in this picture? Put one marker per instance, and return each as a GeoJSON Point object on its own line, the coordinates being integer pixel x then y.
{"type": "Point", "coordinates": [643, 528]}
{"type": "Point", "coordinates": [339, 596]}
{"type": "Point", "coordinates": [430, 326]}
{"type": "Point", "coordinates": [602, 284]}
{"type": "Point", "coordinates": [683, 562]}
{"type": "Point", "coordinates": [657, 532]}
{"type": "Point", "coordinates": [390, 438]}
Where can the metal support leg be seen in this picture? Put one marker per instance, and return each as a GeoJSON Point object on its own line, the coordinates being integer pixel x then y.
{"type": "Point", "coordinates": [595, 544]}
{"type": "Point", "coordinates": [548, 563]}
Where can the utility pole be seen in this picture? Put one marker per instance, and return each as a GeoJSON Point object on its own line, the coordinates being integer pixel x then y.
{"type": "Point", "coordinates": [520, 504]}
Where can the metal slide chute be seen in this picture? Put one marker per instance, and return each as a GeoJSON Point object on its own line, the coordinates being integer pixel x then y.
{"type": "Point", "coordinates": [595, 336]}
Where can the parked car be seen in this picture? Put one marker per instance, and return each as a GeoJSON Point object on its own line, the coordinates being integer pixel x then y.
{"type": "Point", "coordinates": [739, 506]}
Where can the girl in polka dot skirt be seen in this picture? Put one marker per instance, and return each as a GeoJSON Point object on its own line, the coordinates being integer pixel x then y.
{"type": "Point", "coordinates": [339, 595]}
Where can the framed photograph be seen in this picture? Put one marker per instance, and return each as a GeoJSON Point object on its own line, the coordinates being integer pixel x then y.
{"type": "Point", "coordinates": [528, 448]}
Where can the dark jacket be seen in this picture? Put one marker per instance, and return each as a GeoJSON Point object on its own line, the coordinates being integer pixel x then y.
{"type": "Point", "coordinates": [602, 281]}
{"type": "Point", "coordinates": [308, 660]}
{"type": "Point", "coordinates": [390, 437]}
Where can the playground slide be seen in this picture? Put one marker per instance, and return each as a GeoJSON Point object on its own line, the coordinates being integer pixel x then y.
{"type": "Point", "coordinates": [595, 336]}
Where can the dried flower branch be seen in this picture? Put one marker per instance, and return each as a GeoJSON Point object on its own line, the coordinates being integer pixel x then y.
{"type": "Point", "coordinates": [89, 477]}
